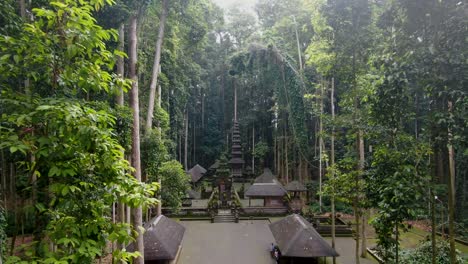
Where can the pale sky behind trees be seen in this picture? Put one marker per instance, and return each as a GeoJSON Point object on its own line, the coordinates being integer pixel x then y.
{"type": "Point", "coordinates": [242, 4]}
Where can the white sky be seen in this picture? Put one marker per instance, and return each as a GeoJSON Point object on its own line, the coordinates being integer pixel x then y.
{"type": "Point", "coordinates": [242, 4]}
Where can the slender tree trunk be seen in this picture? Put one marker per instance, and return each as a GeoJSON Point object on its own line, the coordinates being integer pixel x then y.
{"type": "Point", "coordinates": [356, 218]}
{"type": "Point", "coordinates": [156, 66]}
{"type": "Point", "coordinates": [253, 148]}
{"type": "Point", "coordinates": [186, 141]}
{"type": "Point", "coordinates": [179, 137]}
{"type": "Point", "coordinates": [14, 207]}
{"type": "Point", "coordinates": [120, 101]}
{"type": "Point", "coordinates": [451, 191]}
{"type": "Point", "coordinates": [286, 155]}
{"type": "Point", "coordinates": [298, 45]}
{"type": "Point", "coordinates": [320, 145]}
{"type": "Point", "coordinates": [194, 144]}
{"type": "Point", "coordinates": [202, 112]}
{"type": "Point", "coordinates": [332, 161]}
{"type": "Point", "coordinates": [4, 180]}
{"type": "Point", "coordinates": [22, 6]}
{"type": "Point", "coordinates": [275, 153]}
{"type": "Point", "coordinates": [235, 99]}
{"type": "Point", "coordinates": [364, 234]}
{"type": "Point", "coordinates": [361, 170]}
{"type": "Point", "coordinates": [134, 104]}
{"type": "Point", "coordinates": [120, 63]}
{"type": "Point", "coordinates": [122, 218]}
{"type": "Point", "coordinates": [159, 206]}
{"type": "Point", "coordinates": [300, 168]}
{"type": "Point", "coordinates": [397, 244]}
{"type": "Point", "coordinates": [433, 227]}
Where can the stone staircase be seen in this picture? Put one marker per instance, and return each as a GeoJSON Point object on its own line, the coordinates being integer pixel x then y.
{"type": "Point", "coordinates": [224, 216]}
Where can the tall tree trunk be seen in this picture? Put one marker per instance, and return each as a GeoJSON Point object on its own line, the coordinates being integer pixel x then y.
{"type": "Point", "coordinates": [332, 162]}
{"type": "Point", "coordinates": [186, 140]}
{"type": "Point", "coordinates": [397, 243]}
{"type": "Point", "coordinates": [320, 145]}
{"type": "Point", "coordinates": [194, 145]}
{"type": "Point", "coordinates": [235, 99]}
{"type": "Point", "coordinates": [179, 138]}
{"type": "Point", "coordinates": [451, 191]}
{"type": "Point", "coordinates": [356, 218]}
{"type": "Point", "coordinates": [4, 180]}
{"type": "Point", "coordinates": [253, 148]}
{"type": "Point", "coordinates": [275, 154]}
{"type": "Point", "coordinates": [22, 7]}
{"type": "Point", "coordinates": [202, 112]}
{"type": "Point", "coordinates": [134, 104]}
{"type": "Point", "coordinates": [120, 63]}
{"type": "Point", "coordinates": [159, 206]}
{"type": "Point", "coordinates": [156, 68]}
{"type": "Point", "coordinates": [433, 226]}
{"type": "Point", "coordinates": [301, 179]}
{"type": "Point", "coordinates": [364, 213]}
{"type": "Point", "coordinates": [120, 101]}
{"type": "Point", "coordinates": [286, 150]}
{"type": "Point", "coordinates": [298, 45]}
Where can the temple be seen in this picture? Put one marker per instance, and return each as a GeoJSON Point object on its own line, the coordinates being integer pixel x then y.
{"type": "Point", "coordinates": [236, 162]}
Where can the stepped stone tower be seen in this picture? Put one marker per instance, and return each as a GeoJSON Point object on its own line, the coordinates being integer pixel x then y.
{"type": "Point", "coordinates": [236, 161]}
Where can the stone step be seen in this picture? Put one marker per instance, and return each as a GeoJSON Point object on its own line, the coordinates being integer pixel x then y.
{"type": "Point", "coordinates": [224, 212]}
{"type": "Point", "coordinates": [224, 219]}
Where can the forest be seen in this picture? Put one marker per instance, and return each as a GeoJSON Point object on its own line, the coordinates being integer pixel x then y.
{"type": "Point", "coordinates": [105, 104]}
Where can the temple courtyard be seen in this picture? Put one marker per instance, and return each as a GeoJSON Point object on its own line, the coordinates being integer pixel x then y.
{"type": "Point", "coordinates": [246, 242]}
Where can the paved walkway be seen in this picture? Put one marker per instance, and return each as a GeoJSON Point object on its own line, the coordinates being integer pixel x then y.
{"type": "Point", "coordinates": [247, 242]}
{"type": "Point", "coordinates": [346, 247]}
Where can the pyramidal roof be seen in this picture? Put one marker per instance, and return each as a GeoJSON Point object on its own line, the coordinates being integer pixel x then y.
{"type": "Point", "coordinates": [296, 237]}
{"type": "Point", "coordinates": [196, 172]}
{"type": "Point", "coordinates": [162, 238]}
{"type": "Point", "coordinates": [266, 177]}
{"type": "Point", "coordinates": [266, 185]}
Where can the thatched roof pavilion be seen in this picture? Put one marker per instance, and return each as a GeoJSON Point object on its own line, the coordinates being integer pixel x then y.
{"type": "Point", "coordinates": [266, 185]}
{"type": "Point", "coordinates": [162, 239]}
{"type": "Point", "coordinates": [296, 237]}
{"type": "Point", "coordinates": [268, 188]}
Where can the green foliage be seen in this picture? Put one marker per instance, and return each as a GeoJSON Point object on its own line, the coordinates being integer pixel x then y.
{"type": "Point", "coordinates": [153, 153]}
{"type": "Point", "coordinates": [423, 254]}
{"type": "Point", "coordinates": [395, 185]}
{"type": "Point", "coordinates": [62, 52]}
{"type": "Point", "coordinates": [9, 20]}
{"type": "Point", "coordinates": [174, 182]}
{"type": "Point", "coordinates": [223, 170]}
{"type": "Point", "coordinates": [261, 149]}
{"type": "Point", "coordinates": [78, 157]}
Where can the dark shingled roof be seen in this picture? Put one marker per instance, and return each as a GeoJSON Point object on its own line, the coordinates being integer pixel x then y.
{"type": "Point", "coordinates": [191, 194]}
{"type": "Point", "coordinates": [296, 237]}
{"type": "Point", "coordinates": [266, 189]}
{"type": "Point", "coordinates": [162, 238]}
{"type": "Point", "coordinates": [295, 186]}
{"type": "Point", "coordinates": [215, 165]}
{"type": "Point", "coordinates": [196, 172]}
{"type": "Point", "coordinates": [266, 177]}
{"type": "Point", "coordinates": [266, 185]}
